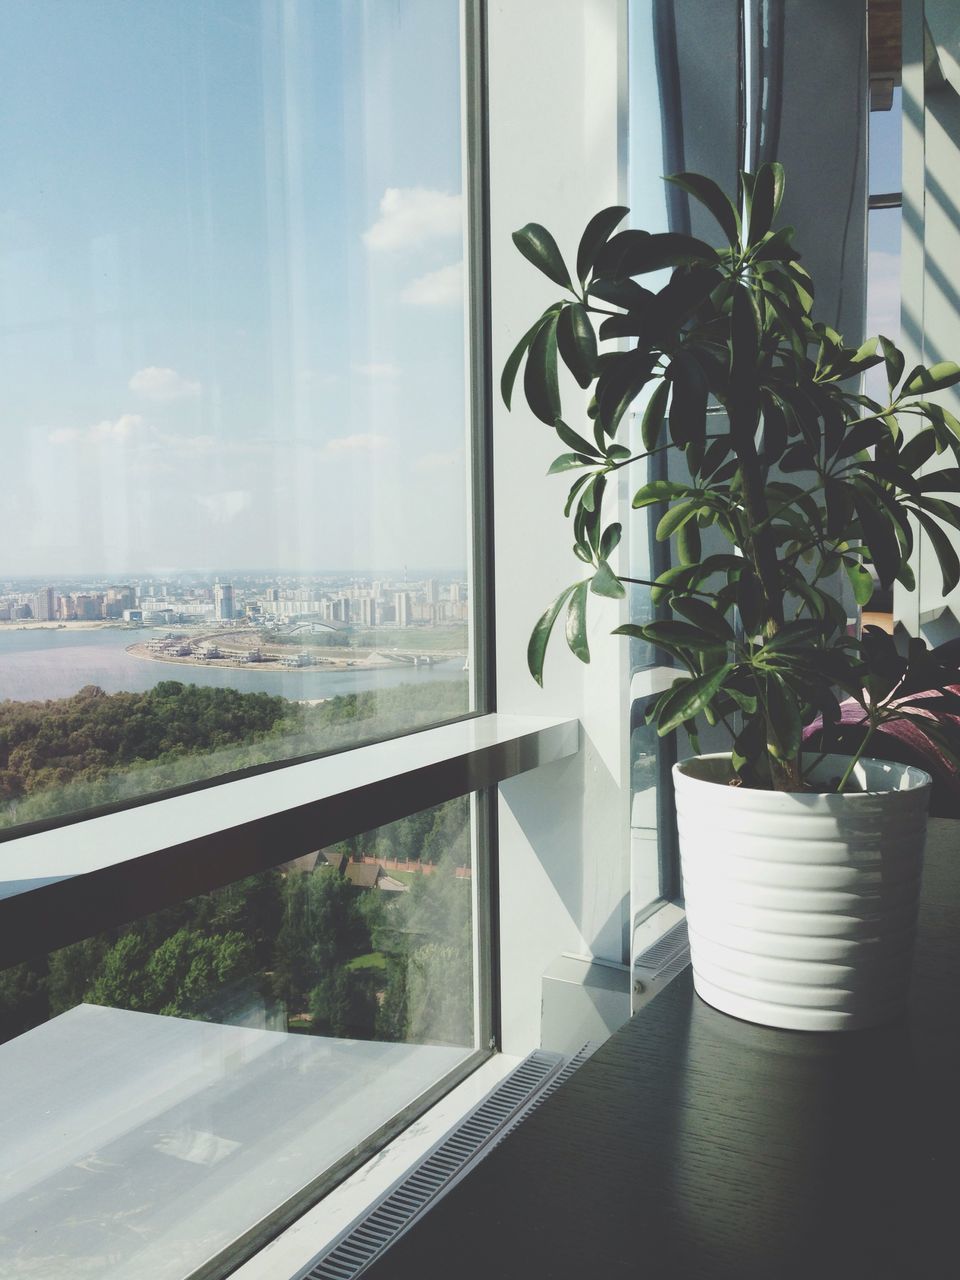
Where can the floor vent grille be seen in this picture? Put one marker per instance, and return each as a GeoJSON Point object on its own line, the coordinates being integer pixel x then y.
{"type": "Point", "coordinates": [666, 956]}
{"type": "Point", "coordinates": [500, 1112]}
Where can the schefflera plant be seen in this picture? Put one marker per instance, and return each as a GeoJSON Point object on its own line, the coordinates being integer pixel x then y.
{"type": "Point", "coordinates": [759, 628]}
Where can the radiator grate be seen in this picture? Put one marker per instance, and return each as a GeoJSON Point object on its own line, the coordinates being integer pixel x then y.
{"type": "Point", "coordinates": [500, 1112]}
{"type": "Point", "coordinates": [668, 955]}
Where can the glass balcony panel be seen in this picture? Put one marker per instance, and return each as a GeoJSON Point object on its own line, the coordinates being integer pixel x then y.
{"type": "Point", "coordinates": [172, 1083]}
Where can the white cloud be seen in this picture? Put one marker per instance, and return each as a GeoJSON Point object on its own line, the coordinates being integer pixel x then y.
{"type": "Point", "coordinates": [439, 461]}
{"type": "Point", "coordinates": [154, 383]}
{"type": "Point", "coordinates": [121, 428]}
{"type": "Point", "coordinates": [65, 435]}
{"type": "Point", "coordinates": [109, 431]}
{"type": "Point", "coordinates": [366, 442]}
{"type": "Point", "coordinates": [441, 288]}
{"type": "Point", "coordinates": [375, 370]}
{"type": "Point", "coordinates": [225, 506]}
{"type": "Point", "coordinates": [410, 216]}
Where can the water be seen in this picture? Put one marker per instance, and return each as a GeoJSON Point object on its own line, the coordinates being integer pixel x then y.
{"type": "Point", "coordinates": [44, 664]}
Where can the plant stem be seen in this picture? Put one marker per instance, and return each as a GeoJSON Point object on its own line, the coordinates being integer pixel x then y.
{"type": "Point", "coordinates": [762, 554]}
{"type": "Point", "coordinates": [855, 759]}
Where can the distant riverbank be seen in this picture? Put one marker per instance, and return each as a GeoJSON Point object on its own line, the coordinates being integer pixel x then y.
{"type": "Point", "coordinates": [33, 625]}
{"type": "Point", "coordinates": [50, 662]}
{"type": "Point", "coordinates": [269, 662]}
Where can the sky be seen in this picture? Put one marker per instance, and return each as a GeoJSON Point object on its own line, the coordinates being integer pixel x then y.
{"type": "Point", "coordinates": [883, 267]}
{"type": "Point", "coordinates": [231, 295]}
{"type": "Point", "coordinates": [231, 316]}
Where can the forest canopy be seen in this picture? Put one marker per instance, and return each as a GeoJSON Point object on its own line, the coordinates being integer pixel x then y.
{"type": "Point", "coordinates": [70, 754]}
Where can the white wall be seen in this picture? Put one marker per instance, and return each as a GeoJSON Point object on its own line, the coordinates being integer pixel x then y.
{"type": "Point", "coordinates": [557, 104]}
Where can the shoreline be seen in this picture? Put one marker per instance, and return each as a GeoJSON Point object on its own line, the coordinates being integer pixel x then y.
{"type": "Point", "coordinates": [271, 664]}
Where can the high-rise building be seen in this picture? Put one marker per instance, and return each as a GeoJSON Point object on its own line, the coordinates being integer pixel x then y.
{"type": "Point", "coordinates": [403, 608]}
{"type": "Point", "coordinates": [45, 605]}
{"type": "Point", "coordinates": [223, 603]}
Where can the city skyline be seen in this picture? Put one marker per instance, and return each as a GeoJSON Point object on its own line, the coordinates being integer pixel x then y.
{"type": "Point", "coordinates": [270, 601]}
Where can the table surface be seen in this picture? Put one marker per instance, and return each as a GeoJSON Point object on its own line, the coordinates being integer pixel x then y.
{"type": "Point", "coordinates": [696, 1145]}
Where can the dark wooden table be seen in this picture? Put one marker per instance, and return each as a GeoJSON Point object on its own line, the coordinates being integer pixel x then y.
{"type": "Point", "coordinates": [695, 1145]}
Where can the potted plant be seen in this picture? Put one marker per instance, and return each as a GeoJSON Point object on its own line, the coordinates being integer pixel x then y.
{"type": "Point", "coordinates": [801, 871]}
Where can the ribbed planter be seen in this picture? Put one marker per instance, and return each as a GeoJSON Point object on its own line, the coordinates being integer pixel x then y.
{"type": "Point", "coordinates": [802, 907]}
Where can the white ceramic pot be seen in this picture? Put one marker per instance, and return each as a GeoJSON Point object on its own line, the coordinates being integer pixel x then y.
{"type": "Point", "coordinates": [802, 907]}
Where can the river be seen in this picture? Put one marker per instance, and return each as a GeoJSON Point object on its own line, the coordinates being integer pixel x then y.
{"type": "Point", "coordinates": [41, 664]}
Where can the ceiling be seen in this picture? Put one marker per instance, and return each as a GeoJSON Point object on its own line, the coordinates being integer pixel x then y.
{"type": "Point", "coordinates": [884, 42]}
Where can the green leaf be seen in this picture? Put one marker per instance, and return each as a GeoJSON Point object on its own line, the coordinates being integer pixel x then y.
{"type": "Point", "coordinates": [574, 490]}
{"type": "Point", "coordinates": [918, 450]}
{"type": "Point", "coordinates": [610, 540]}
{"type": "Point", "coordinates": [749, 601]}
{"type": "Point", "coordinates": [576, 442]}
{"type": "Point", "coordinates": [680, 635]}
{"type": "Point", "coordinates": [784, 726]}
{"type": "Point", "coordinates": [879, 536]}
{"type": "Point", "coordinates": [537, 646]}
{"type": "Point", "coordinates": [938, 376]}
{"type": "Point", "coordinates": [745, 701]}
{"type": "Point", "coordinates": [567, 462]}
{"type": "Point", "coordinates": [706, 618]}
{"type": "Point", "coordinates": [710, 195]}
{"type": "Point", "coordinates": [893, 359]}
{"type": "Point", "coordinates": [578, 343]}
{"type": "Point", "coordinates": [945, 480]}
{"type": "Point", "coordinates": [606, 583]}
{"type": "Point", "coordinates": [577, 622]}
{"type": "Point", "coordinates": [661, 491]}
{"type": "Point", "coordinates": [540, 384]}
{"type": "Point", "coordinates": [675, 518]}
{"type": "Point", "coordinates": [688, 543]}
{"type": "Point", "coordinates": [598, 231]}
{"type": "Point", "coordinates": [767, 194]}
{"type": "Point", "coordinates": [635, 253]}
{"type": "Point", "coordinates": [947, 557]}
{"type": "Point", "coordinates": [862, 436]}
{"type": "Point", "coordinates": [860, 580]}
{"type": "Point", "coordinates": [776, 246]}
{"type": "Point", "coordinates": [539, 247]}
{"type": "Point", "coordinates": [652, 423]}
{"type": "Point", "coordinates": [867, 355]}
{"type": "Point", "coordinates": [792, 636]}
{"type": "Point", "coordinates": [688, 406]}
{"type": "Point", "coordinates": [689, 697]}
{"type": "Point", "coordinates": [620, 387]}
{"type": "Point", "coordinates": [593, 494]}
{"type": "Point", "coordinates": [509, 375]}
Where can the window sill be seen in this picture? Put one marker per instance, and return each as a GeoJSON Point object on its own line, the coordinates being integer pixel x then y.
{"type": "Point", "coordinates": [65, 884]}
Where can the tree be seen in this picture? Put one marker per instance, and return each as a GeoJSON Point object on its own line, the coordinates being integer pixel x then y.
{"type": "Point", "coordinates": [344, 1004]}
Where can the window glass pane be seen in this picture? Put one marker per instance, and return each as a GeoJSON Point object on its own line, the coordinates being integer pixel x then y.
{"type": "Point", "coordinates": [676, 64]}
{"type": "Point", "coordinates": [883, 286]}
{"type": "Point", "coordinates": [189, 1073]}
{"type": "Point", "coordinates": [886, 147]}
{"type": "Point", "coordinates": [232, 349]}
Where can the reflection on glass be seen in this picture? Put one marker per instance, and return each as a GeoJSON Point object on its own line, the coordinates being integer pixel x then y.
{"type": "Point", "coordinates": [232, 352]}
{"type": "Point", "coordinates": [188, 1073]}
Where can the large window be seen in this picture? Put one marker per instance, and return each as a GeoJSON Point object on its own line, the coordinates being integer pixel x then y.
{"type": "Point", "coordinates": [236, 525]}
{"type": "Point", "coordinates": [178, 1079]}
{"type": "Point", "coordinates": [237, 534]}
